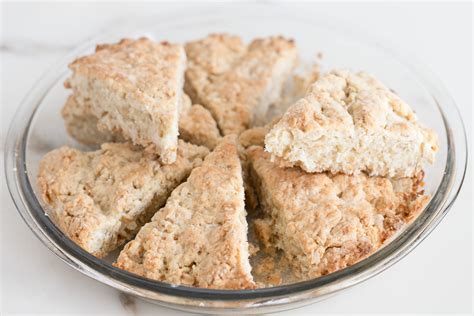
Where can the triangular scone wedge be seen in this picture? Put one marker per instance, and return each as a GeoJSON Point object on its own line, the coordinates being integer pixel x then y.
{"type": "Point", "coordinates": [325, 222]}
{"type": "Point", "coordinates": [134, 87]}
{"type": "Point", "coordinates": [100, 199]}
{"type": "Point", "coordinates": [350, 122]}
{"type": "Point", "coordinates": [196, 124]}
{"type": "Point", "coordinates": [200, 237]}
{"type": "Point", "coordinates": [238, 88]}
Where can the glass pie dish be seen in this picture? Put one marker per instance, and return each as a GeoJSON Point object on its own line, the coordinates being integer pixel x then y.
{"type": "Point", "coordinates": [38, 128]}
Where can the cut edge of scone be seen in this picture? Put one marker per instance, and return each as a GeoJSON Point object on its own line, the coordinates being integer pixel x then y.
{"type": "Point", "coordinates": [350, 122]}
{"type": "Point", "coordinates": [135, 88]}
{"type": "Point", "coordinates": [196, 124]}
{"type": "Point", "coordinates": [100, 199]}
{"type": "Point", "coordinates": [81, 125]}
{"type": "Point", "coordinates": [324, 222]}
{"type": "Point", "coordinates": [199, 238]}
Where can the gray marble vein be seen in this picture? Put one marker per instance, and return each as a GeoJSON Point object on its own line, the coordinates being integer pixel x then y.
{"type": "Point", "coordinates": [29, 47]}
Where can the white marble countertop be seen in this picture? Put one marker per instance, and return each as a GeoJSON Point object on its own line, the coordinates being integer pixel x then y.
{"type": "Point", "coordinates": [435, 277]}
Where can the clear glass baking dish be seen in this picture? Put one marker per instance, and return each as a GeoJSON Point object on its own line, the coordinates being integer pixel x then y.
{"type": "Point", "coordinates": [38, 128]}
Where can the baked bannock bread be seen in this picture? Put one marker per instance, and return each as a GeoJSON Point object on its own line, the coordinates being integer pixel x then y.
{"type": "Point", "coordinates": [196, 124]}
{"type": "Point", "coordinates": [200, 237]}
{"type": "Point", "coordinates": [326, 222]}
{"type": "Point", "coordinates": [134, 87]}
{"type": "Point", "coordinates": [100, 199]}
{"type": "Point", "coordinates": [350, 122]}
{"type": "Point", "coordinates": [238, 83]}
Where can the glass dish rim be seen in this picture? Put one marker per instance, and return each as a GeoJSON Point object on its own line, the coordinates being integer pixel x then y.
{"type": "Point", "coordinates": [31, 211]}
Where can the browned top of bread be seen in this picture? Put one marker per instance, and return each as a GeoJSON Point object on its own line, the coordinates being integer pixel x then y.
{"type": "Point", "coordinates": [237, 83]}
{"type": "Point", "coordinates": [140, 65]}
{"type": "Point", "coordinates": [200, 237]}
{"type": "Point", "coordinates": [350, 122]}
{"type": "Point", "coordinates": [325, 222]}
{"type": "Point", "coordinates": [96, 198]}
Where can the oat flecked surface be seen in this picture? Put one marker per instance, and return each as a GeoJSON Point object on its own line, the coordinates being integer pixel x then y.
{"type": "Point", "coordinates": [100, 199]}
{"type": "Point", "coordinates": [232, 165]}
{"type": "Point", "coordinates": [200, 237]}
{"type": "Point", "coordinates": [325, 222]}
{"type": "Point", "coordinates": [238, 83]}
{"type": "Point", "coordinates": [350, 122]}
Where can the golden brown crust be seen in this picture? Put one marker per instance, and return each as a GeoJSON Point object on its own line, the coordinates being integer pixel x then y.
{"type": "Point", "coordinates": [200, 237]}
{"type": "Point", "coordinates": [238, 89]}
{"type": "Point", "coordinates": [349, 122]}
{"type": "Point", "coordinates": [317, 222]}
{"type": "Point", "coordinates": [210, 57]}
{"type": "Point", "coordinates": [134, 81]}
{"type": "Point", "coordinates": [198, 127]}
{"type": "Point", "coordinates": [100, 199]}
{"type": "Point", "coordinates": [326, 222]}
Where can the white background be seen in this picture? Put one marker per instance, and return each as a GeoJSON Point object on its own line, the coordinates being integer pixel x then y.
{"type": "Point", "coordinates": [435, 277]}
